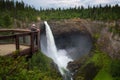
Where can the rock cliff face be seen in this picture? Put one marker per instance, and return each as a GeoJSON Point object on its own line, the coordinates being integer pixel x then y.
{"type": "Point", "coordinates": [72, 36]}
{"type": "Point", "coordinates": [108, 42]}
{"type": "Point", "coordinates": [67, 26]}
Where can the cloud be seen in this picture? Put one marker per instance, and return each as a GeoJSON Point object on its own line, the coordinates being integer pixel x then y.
{"type": "Point", "coordinates": [68, 3]}
{"type": "Point", "coordinates": [65, 3]}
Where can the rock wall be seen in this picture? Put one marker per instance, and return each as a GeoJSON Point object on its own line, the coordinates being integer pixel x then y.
{"type": "Point", "coordinates": [108, 41]}
{"type": "Point", "coordinates": [67, 26]}
{"type": "Point", "coordinates": [71, 36]}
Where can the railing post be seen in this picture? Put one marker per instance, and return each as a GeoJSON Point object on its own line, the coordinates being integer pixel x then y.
{"type": "Point", "coordinates": [32, 42]}
{"type": "Point", "coordinates": [17, 42]}
{"type": "Point", "coordinates": [38, 39]}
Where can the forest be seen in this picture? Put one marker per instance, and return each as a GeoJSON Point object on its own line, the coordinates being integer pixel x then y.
{"type": "Point", "coordinates": [20, 12]}
{"type": "Point", "coordinates": [107, 12]}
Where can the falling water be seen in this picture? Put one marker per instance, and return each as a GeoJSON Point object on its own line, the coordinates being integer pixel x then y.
{"type": "Point", "coordinates": [59, 56]}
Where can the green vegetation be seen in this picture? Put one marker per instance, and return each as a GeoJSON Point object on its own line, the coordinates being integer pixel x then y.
{"type": "Point", "coordinates": [102, 60]}
{"type": "Point", "coordinates": [99, 66]}
{"type": "Point", "coordinates": [37, 68]}
{"type": "Point", "coordinates": [16, 13]}
{"type": "Point", "coordinates": [109, 68]}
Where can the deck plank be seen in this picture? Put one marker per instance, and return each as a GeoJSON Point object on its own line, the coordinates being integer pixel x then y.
{"type": "Point", "coordinates": [6, 49]}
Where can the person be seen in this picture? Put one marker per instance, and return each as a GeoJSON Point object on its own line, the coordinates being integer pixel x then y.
{"type": "Point", "coordinates": [33, 29]}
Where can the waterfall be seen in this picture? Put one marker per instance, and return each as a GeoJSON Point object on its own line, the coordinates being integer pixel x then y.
{"type": "Point", "coordinates": [59, 56]}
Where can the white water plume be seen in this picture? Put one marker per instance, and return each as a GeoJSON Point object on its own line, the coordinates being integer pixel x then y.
{"type": "Point", "coordinates": [59, 56]}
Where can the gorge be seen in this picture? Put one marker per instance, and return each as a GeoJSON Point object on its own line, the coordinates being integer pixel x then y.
{"type": "Point", "coordinates": [77, 36]}
{"type": "Point", "coordinates": [69, 47]}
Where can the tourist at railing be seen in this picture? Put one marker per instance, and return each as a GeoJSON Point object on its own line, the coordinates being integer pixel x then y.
{"type": "Point", "coordinates": [34, 28]}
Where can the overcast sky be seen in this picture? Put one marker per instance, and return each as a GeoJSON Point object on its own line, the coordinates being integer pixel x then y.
{"type": "Point", "coordinates": [68, 3]}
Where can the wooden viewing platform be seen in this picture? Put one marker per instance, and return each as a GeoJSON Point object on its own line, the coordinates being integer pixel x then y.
{"type": "Point", "coordinates": [17, 35]}
{"type": "Point", "coordinates": [6, 49]}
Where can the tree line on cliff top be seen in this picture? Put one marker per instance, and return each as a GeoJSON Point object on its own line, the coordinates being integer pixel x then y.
{"type": "Point", "coordinates": [20, 12]}
{"type": "Point", "coordinates": [11, 11]}
{"type": "Point", "coordinates": [107, 12]}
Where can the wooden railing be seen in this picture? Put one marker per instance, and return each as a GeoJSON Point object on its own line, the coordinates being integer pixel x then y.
{"type": "Point", "coordinates": [17, 33]}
